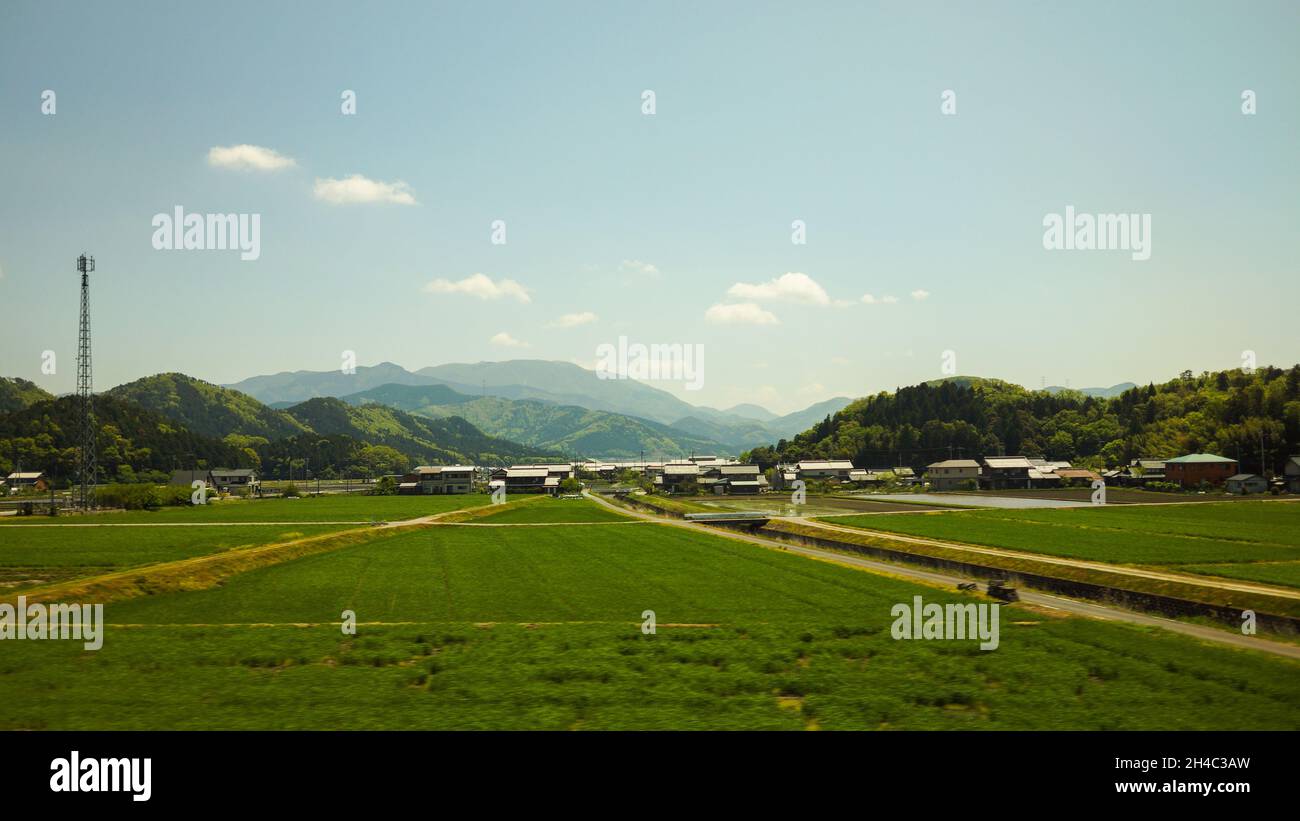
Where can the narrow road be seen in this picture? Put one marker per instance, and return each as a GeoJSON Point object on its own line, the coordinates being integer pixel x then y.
{"type": "Point", "coordinates": [1078, 608]}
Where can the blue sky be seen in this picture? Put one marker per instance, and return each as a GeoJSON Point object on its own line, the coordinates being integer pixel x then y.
{"type": "Point", "coordinates": [765, 113]}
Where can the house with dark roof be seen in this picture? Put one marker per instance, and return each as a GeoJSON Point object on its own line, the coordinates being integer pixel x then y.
{"type": "Point", "coordinates": [187, 478]}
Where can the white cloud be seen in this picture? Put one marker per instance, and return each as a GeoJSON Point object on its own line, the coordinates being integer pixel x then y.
{"type": "Point", "coordinates": [248, 158]}
{"type": "Point", "coordinates": [886, 300]}
{"type": "Point", "coordinates": [920, 294]}
{"type": "Point", "coordinates": [740, 313]}
{"type": "Point", "coordinates": [505, 340]}
{"type": "Point", "coordinates": [841, 360]}
{"type": "Point", "coordinates": [636, 266]}
{"type": "Point", "coordinates": [358, 189]}
{"type": "Point", "coordinates": [573, 320]}
{"type": "Point", "coordinates": [481, 286]}
{"type": "Point", "coordinates": [789, 287]}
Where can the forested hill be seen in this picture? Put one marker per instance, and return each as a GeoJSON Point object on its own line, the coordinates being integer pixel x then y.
{"type": "Point", "coordinates": [207, 409]}
{"type": "Point", "coordinates": [1223, 412]}
{"type": "Point", "coordinates": [16, 394]}
{"type": "Point", "coordinates": [131, 440]}
{"type": "Point", "coordinates": [152, 426]}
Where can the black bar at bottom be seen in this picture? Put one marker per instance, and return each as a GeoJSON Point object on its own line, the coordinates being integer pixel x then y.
{"type": "Point", "coordinates": [328, 770]}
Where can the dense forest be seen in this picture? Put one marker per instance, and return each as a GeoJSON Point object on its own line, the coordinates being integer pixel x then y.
{"type": "Point", "coordinates": [1229, 412]}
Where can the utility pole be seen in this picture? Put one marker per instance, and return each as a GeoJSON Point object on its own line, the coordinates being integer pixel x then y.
{"type": "Point", "coordinates": [1263, 467]}
{"type": "Point", "coordinates": [85, 394]}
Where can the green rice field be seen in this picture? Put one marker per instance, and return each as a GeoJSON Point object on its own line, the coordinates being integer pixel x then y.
{"type": "Point", "coordinates": [304, 509]}
{"type": "Point", "coordinates": [1237, 534]}
{"type": "Point", "coordinates": [38, 555]}
{"type": "Point", "coordinates": [541, 628]}
{"type": "Point", "coordinates": [548, 510]}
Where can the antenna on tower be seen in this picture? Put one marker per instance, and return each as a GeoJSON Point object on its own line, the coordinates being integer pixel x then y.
{"type": "Point", "coordinates": [85, 395]}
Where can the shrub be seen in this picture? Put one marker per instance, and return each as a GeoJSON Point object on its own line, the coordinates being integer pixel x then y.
{"type": "Point", "coordinates": [141, 496]}
{"type": "Point", "coordinates": [131, 496]}
{"type": "Point", "coordinates": [290, 491]}
{"type": "Point", "coordinates": [1163, 487]}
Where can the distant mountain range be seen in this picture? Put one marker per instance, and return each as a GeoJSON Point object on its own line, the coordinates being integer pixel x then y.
{"type": "Point", "coordinates": [223, 413]}
{"type": "Point", "coordinates": [568, 429]}
{"type": "Point", "coordinates": [486, 413]}
{"type": "Point", "coordinates": [1100, 393]}
{"type": "Point", "coordinates": [653, 420]}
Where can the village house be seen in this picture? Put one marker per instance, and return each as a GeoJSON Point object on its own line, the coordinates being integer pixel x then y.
{"type": "Point", "coordinates": [863, 478]}
{"type": "Point", "coordinates": [1244, 483]}
{"type": "Point", "coordinates": [1044, 476]}
{"type": "Point", "coordinates": [952, 474]}
{"type": "Point", "coordinates": [187, 478]}
{"type": "Point", "coordinates": [783, 476]}
{"type": "Point", "coordinates": [676, 476]}
{"type": "Point", "coordinates": [809, 469]}
{"type": "Point", "coordinates": [438, 480]}
{"type": "Point", "coordinates": [1292, 471]}
{"type": "Point", "coordinates": [737, 479]}
{"type": "Point", "coordinates": [1002, 472]}
{"type": "Point", "coordinates": [228, 480]}
{"type": "Point", "coordinates": [1141, 471]}
{"type": "Point", "coordinates": [1196, 468]}
{"type": "Point", "coordinates": [526, 479]}
{"type": "Point", "coordinates": [904, 475]}
{"type": "Point", "coordinates": [1077, 476]}
{"type": "Point", "coordinates": [26, 480]}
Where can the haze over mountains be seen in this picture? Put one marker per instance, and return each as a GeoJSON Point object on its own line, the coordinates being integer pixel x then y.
{"type": "Point", "coordinates": [622, 417]}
